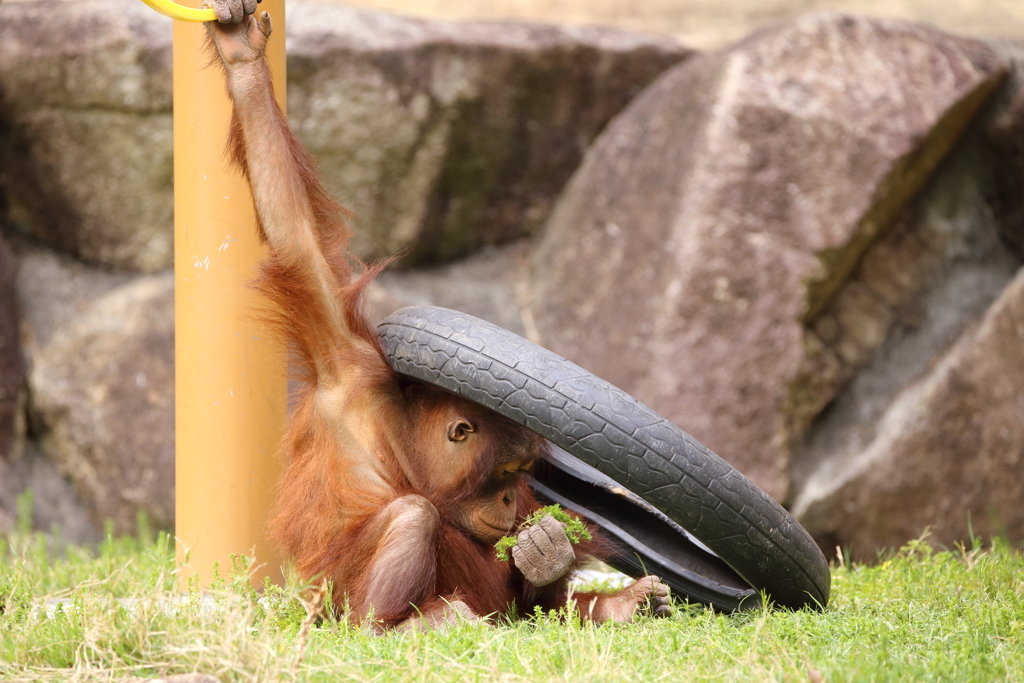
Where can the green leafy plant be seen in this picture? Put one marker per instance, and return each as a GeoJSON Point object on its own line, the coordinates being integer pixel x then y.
{"type": "Point", "coordinates": [575, 529]}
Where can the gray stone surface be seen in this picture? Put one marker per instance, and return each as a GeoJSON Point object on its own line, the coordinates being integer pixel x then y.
{"type": "Point", "coordinates": [12, 369]}
{"type": "Point", "coordinates": [56, 506]}
{"type": "Point", "coordinates": [917, 289]}
{"type": "Point", "coordinates": [53, 292]}
{"type": "Point", "coordinates": [1004, 142]}
{"type": "Point", "coordinates": [490, 284]}
{"type": "Point", "coordinates": [442, 137]}
{"type": "Point", "coordinates": [103, 402]}
{"type": "Point", "coordinates": [728, 204]}
{"type": "Point", "coordinates": [53, 289]}
{"type": "Point", "coordinates": [946, 455]}
{"type": "Point", "coordinates": [921, 288]}
{"type": "Point", "coordinates": [85, 94]}
{"type": "Point", "coordinates": [55, 503]}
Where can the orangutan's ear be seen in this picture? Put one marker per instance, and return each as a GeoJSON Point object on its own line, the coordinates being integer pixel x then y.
{"type": "Point", "coordinates": [459, 429]}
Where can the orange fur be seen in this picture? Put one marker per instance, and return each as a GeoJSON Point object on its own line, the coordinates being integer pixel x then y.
{"type": "Point", "coordinates": [367, 498]}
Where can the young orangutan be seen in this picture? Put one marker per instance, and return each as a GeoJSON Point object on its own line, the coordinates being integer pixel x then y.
{"type": "Point", "coordinates": [394, 490]}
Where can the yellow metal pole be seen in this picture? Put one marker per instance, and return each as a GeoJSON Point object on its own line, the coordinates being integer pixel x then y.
{"type": "Point", "coordinates": [231, 380]}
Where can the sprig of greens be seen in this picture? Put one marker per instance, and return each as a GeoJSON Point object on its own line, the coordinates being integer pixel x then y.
{"type": "Point", "coordinates": [575, 529]}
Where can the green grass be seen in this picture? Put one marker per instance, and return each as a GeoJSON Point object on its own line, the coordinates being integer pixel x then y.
{"type": "Point", "coordinates": [921, 615]}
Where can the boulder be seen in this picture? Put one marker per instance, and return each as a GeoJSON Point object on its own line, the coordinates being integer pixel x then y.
{"type": "Point", "coordinates": [924, 286]}
{"type": "Point", "coordinates": [947, 454]}
{"type": "Point", "coordinates": [53, 290]}
{"type": "Point", "coordinates": [102, 389]}
{"type": "Point", "coordinates": [85, 97]}
{"type": "Point", "coordinates": [57, 508]}
{"type": "Point", "coordinates": [12, 371]}
{"type": "Point", "coordinates": [442, 136]}
{"type": "Point", "coordinates": [447, 136]}
{"type": "Point", "coordinates": [56, 504]}
{"type": "Point", "coordinates": [721, 212]}
{"type": "Point", "coordinates": [490, 284]}
{"type": "Point", "coordinates": [1004, 143]}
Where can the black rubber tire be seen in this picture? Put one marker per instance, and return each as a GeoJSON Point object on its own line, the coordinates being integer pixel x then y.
{"type": "Point", "coordinates": [613, 432]}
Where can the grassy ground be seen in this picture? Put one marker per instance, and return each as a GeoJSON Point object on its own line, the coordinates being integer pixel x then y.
{"type": "Point", "coordinates": [921, 615]}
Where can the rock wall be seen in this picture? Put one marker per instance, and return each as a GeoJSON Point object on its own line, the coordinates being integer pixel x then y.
{"type": "Point", "coordinates": [447, 137]}
{"type": "Point", "coordinates": [805, 249]}
{"type": "Point", "coordinates": [435, 133]}
{"type": "Point", "coordinates": [103, 399]}
{"type": "Point", "coordinates": [726, 206]}
{"type": "Point", "coordinates": [12, 369]}
{"type": "Point", "coordinates": [927, 431]}
{"type": "Point", "coordinates": [867, 399]}
{"type": "Point", "coordinates": [85, 101]}
{"type": "Point", "coordinates": [946, 454]}
{"type": "Point", "coordinates": [443, 138]}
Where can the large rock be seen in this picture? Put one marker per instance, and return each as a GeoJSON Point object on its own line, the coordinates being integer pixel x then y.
{"type": "Point", "coordinates": [22, 467]}
{"type": "Point", "coordinates": [947, 454]}
{"type": "Point", "coordinates": [53, 293]}
{"type": "Point", "coordinates": [490, 284]}
{"type": "Point", "coordinates": [103, 402]}
{"type": "Point", "coordinates": [86, 95]}
{"type": "Point", "coordinates": [53, 290]}
{"type": "Point", "coordinates": [56, 506]}
{"type": "Point", "coordinates": [922, 286]}
{"type": "Point", "coordinates": [442, 136]}
{"type": "Point", "coordinates": [722, 211]}
{"type": "Point", "coordinates": [12, 370]}
{"type": "Point", "coordinates": [1004, 138]}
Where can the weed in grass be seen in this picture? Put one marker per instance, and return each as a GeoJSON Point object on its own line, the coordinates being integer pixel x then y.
{"type": "Point", "coordinates": [919, 614]}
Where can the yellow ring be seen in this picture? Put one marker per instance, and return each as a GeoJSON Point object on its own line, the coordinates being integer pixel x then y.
{"type": "Point", "coordinates": [180, 12]}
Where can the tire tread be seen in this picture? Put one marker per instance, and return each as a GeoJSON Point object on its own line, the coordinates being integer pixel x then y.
{"type": "Point", "coordinates": [618, 435]}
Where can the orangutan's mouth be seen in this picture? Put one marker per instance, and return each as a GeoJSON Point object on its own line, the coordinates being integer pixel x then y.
{"type": "Point", "coordinates": [499, 531]}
